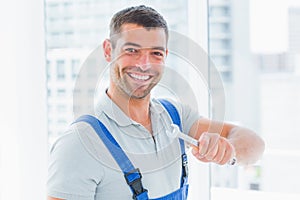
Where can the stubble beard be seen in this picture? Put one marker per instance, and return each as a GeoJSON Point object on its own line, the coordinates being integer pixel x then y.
{"type": "Point", "coordinates": [124, 86]}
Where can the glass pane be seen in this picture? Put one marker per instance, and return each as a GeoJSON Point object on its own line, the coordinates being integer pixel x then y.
{"type": "Point", "coordinates": [255, 46]}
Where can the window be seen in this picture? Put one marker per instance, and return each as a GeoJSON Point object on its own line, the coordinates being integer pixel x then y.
{"type": "Point", "coordinates": [219, 10]}
{"type": "Point", "coordinates": [222, 44]}
{"type": "Point", "coordinates": [67, 5]}
{"type": "Point", "coordinates": [75, 68]}
{"type": "Point", "coordinates": [48, 69]}
{"type": "Point", "coordinates": [252, 80]}
{"type": "Point", "coordinates": [258, 75]}
{"type": "Point", "coordinates": [262, 94]}
{"type": "Point", "coordinates": [48, 92]}
{"type": "Point", "coordinates": [61, 122]}
{"type": "Point", "coordinates": [61, 92]}
{"type": "Point", "coordinates": [60, 70]}
{"type": "Point", "coordinates": [219, 27]}
{"type": "Point", "coordinates": [61, 108]}
{"type": "Point", "coordinates": [220, 60]}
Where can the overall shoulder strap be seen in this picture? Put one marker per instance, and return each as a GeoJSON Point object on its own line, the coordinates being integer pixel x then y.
{"type": "Point", "coordinates": [172, 112]}
{"type": "Point", "coordinates": [171, 109]}
{"type": "Point", "coordinates": [131, 174]}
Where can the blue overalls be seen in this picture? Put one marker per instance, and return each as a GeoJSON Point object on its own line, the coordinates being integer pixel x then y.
{"type": "Point", "coordinates": [132, 175]}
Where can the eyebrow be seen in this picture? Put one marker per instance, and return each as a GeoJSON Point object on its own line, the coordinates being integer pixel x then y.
{"type": "Point", "coordinates": [137, 45]}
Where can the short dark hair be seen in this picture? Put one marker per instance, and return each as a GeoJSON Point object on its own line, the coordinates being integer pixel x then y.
{"type": "Point", "coordinates": [141, 15]}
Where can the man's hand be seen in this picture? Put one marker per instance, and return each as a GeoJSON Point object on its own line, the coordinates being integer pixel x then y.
{"type": "Point", "coordinates": [214, 148]}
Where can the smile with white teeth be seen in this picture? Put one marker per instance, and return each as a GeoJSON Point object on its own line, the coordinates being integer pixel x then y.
{"type": "Point", "coordinates": [139, 77]}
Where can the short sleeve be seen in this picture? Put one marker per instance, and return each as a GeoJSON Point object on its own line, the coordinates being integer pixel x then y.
{"type": "Point", "coordinates": [189, 117]}
{"type": "Point", "coordinates": [73, 173]}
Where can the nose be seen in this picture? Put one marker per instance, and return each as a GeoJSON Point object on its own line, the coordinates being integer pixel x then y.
{"type": "Point", "coordinates": [144, 61]}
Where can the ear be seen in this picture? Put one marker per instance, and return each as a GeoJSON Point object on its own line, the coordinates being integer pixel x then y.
{"type": "Point", "coordinates": [107, 49]}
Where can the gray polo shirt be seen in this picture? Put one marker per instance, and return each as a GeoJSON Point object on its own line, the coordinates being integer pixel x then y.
{"type": "Point", "coordinates": [81, 167]}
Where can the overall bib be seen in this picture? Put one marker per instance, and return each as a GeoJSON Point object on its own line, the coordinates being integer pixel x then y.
{"type": "Point", "coordinates": [132, 175]}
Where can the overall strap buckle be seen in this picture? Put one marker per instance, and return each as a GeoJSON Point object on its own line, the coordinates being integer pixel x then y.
{"type": "Point", "coordinates": [185, 170]}
{"type": "Point", "coordinates": [133, 179]}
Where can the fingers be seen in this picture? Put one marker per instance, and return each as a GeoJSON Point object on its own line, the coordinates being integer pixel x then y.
{"type": "Point", "coordinates": [204, 144]}
{"type": "Point", "coordinates": [221, 154]}
{"type": "Point", "coordinates": [208, 145]}
{"type": "Point", "coordinates": [213, 148]}
{"type": "Point", "coordinates": [228, 153]}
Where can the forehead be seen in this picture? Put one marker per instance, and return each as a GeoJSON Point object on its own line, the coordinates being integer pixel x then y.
{"type": "Point", "coordinates": [145, 37]}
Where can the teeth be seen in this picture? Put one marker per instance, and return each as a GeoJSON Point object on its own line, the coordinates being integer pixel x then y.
{"type": "Point", "coordinates": [140, 77]}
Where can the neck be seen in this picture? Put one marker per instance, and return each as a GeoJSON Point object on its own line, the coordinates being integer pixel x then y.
{"type": "Point", "coordinates": [136, 109]}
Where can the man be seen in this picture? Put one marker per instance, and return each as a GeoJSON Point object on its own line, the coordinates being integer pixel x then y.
{"type": "Point", "coordinates": [89, 162]}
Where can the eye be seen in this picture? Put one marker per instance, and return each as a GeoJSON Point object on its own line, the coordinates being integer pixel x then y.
{"type": "Point", "coordinates": [131, 50]}
{"type": "Point", "coordinates": [158, 53]}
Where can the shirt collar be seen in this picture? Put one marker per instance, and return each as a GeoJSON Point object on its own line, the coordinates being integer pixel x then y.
{"type": "Point", "coordinates": [113, 111]}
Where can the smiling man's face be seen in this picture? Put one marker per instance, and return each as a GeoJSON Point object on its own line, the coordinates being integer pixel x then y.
{"type": "Point", "coordinates": [138, 60]}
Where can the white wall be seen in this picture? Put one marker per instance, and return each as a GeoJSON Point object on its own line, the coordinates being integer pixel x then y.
{"type": "Point", "coordinates": [23, 161]}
